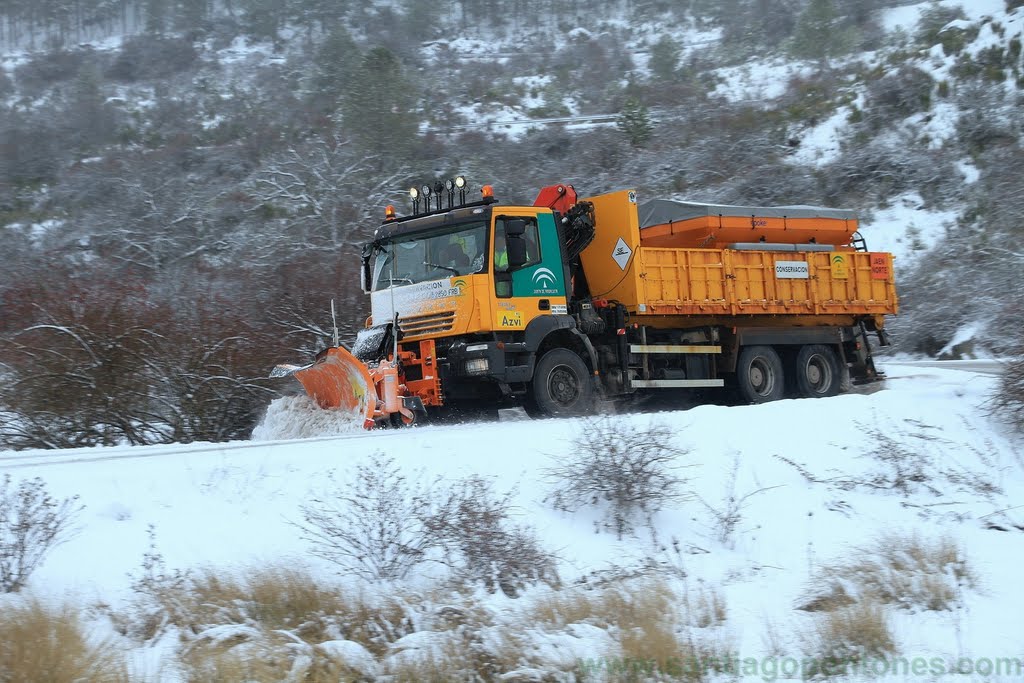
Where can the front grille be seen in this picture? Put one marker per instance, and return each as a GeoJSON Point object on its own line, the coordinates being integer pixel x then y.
{"type": "Point", "coordinates": [430, 323]}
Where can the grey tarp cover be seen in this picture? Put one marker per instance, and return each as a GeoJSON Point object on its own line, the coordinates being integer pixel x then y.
{"type": "Point", "coordinates": [661, 211]}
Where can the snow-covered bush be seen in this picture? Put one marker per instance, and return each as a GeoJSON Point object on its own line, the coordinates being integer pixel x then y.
{"type": "Point", "coordinates": [482, 544]}
{"type": "Point", "coordinates": [370, 524]}
{"type": "Point", "coordinates": [380, 525]}
{"type": "Point", "coordinates": [32, 522]}
{"type": "Point", "coordinates": [1009, 397]}
{"type": "Point", "coordinates": [632, 471]}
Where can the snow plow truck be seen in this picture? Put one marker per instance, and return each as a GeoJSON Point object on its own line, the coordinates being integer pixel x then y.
{"type": "Point", "coordinates": [477, 305]}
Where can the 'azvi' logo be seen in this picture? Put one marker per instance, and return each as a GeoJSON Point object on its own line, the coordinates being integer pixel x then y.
{"type": "Point", "coordinates": [544, 278]}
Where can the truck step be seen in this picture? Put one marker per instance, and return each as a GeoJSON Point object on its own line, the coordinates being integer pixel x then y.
{"type": "Point", "coordinates": [673, 348]}
{"type": "Point", "coordinates": [676, 383]}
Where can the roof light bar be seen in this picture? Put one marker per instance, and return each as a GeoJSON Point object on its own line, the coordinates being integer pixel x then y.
{"type": "Point", "coordinates": [437, 189]}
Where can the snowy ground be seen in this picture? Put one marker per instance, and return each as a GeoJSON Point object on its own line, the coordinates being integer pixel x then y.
{"type": "Point", "coordinates": [231, 505]}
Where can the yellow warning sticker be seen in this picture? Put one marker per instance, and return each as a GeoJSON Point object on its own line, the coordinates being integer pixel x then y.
{"type": "Point", "coordinates": [839, 267]}
{"type": "Point", "coordinates": [510, 320]}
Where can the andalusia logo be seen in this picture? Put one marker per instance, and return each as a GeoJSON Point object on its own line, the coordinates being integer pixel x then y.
{"type": "Point", "coordinates": [543, 278]}
{"type": "Point", "coordinates": [459, 284]}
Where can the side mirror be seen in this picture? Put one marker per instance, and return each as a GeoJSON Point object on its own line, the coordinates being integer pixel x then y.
{"type": "Point", "coordinates": [365, 271]}
{"type": "Point", "coordinates": [516, 246]}
{"type": "Point", "coordinates": [515, 227]}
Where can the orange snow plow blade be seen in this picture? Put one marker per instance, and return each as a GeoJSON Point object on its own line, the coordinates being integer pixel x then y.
{"type": "Point", "coordinates": [336, 379]}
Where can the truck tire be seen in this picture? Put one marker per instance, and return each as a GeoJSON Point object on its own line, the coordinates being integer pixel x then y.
{"type": "Point", "coordinates": [561, 386]}
{"type": "Point", "coordinates": [759, 374]}
{"type": "Point", "coordinates": [817, 372]}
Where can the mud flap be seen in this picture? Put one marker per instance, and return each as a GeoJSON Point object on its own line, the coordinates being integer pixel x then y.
{"type": "Point", "coordinates": [336, 379]}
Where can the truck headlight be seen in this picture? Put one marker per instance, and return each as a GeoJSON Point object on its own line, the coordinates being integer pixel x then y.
{"type": "Point", "coordinates": [477, 366]}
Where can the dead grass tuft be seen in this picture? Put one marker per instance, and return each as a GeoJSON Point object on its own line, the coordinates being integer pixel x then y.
{"type": "Point", "coordinates": [846, 637]}
{"type": "Point", "coordinates": [652, 622]}
{"type": "Point", "coordinates": [904, 571]}
{"type": "Point", "coordinates": [42, 643]}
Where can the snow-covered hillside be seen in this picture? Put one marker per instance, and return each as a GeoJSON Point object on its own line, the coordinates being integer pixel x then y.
{"type": "Point", "coordinates": [778, 496]}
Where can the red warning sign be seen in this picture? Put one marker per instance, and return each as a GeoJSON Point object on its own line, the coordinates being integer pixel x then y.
{"type": "Point", "coordinates": [880, 269]}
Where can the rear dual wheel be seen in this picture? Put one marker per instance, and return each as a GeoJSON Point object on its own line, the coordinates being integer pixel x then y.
{"type": "Point", "coordinates": [759, 374]}
{"type": "Point", "coordinates": [817, 372]}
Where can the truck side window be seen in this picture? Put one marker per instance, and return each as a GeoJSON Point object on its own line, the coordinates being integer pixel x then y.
{"type": "Point", "coordinates": [502, 277]}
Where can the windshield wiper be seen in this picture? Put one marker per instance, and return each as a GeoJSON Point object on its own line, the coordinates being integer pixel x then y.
{"type": "Point", "coordinates": [434, 265]}
{"type": "Point", "coordinates": [392, 280]}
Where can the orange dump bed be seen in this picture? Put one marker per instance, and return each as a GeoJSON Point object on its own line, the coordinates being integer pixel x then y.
{"type": "Point", "coordinates": [741, 282]}
{"type": "Point", "coordinates": [737, 274]}
{"type": "Point", "coordinates": [666, 223]}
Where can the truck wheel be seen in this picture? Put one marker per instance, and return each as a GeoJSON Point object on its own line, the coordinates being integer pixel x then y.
{"type": "Point", "coordinates": [817, 372]}
{"type": "Point", "coordinates": [759, 374]}
{"type": "Point", "coordinates": [561, 386]}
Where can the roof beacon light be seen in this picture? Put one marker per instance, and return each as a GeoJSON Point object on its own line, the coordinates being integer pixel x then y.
{"type": "Point", "coordinates": [488, 193]}
{"type": "Point", "coordinates": [389, 213]}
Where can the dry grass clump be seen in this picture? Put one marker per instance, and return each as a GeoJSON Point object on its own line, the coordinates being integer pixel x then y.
{"type": "Point", "coordinates": [266, 657]}
{"type": "Point", "coordinates": [275, 598]}
{"type": "Point", "coordinates": [852, 597]}
{"type": "Point", "coordinates": [846, 637]}
{"type": "Point", "coordinates": [655, 626]}
{"type": "Point", "coordinates": [905, 571]}
{"type": "Point", "coordinates": [42, 643]}
{"type": "Point", "coordinates": [463, 654]}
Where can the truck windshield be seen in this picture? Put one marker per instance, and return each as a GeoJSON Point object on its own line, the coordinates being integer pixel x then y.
{"type": "Point", "coordinates": [434, 256]}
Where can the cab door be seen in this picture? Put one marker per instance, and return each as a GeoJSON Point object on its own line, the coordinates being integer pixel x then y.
{"type": "Point", "coordinates": [537, 287]}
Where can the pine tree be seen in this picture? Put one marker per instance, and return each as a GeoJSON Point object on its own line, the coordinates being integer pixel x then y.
{"type": "Point", "coordinates": [336, 61]}
{"type": "Point", "coordinates": [190, 15]}
{"type": "Point", "coordinates": [378, 105]}
{"type": "Point", "coordinates": [819, 33]}
{"type": "Point", "coordinates": [664, 61]}
{"type": "Point", "coordinates": [155, 12]}
{"type": "Point", "coordinates": [635, 122]}
{"type": "Point", "coordinates": [263, 19]}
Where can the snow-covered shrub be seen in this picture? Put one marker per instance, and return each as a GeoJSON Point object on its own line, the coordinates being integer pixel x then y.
{"type": "Point", "coordinates": [50, 643]}
{"type": "Point", "coordinates": [1009, 397]}
{"type": "Point", "coordinates": [49, 68]}
{"type": "Point", "coordinates": [482, 544]}
{"type": "Point", "coordinates": [932, 28]}
{"type": "Point", "coordinates": [152, 57]}
{"type": "Point", "coordinates": [632, 471]}
{"type": "Point", "coordinates": [897, 95]}
{"type": "Point", "coordinates": [32, 522]}
{"type": "Point", "coordinates": [380, 525]}
{"type": "Point", "coordinates": [371, 524]}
